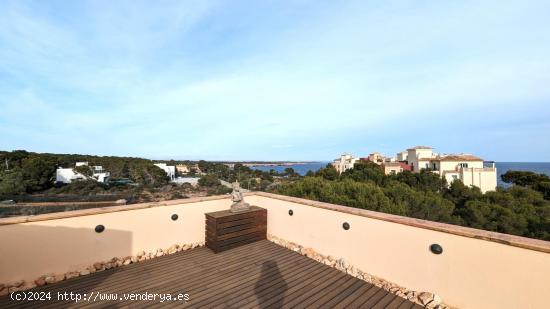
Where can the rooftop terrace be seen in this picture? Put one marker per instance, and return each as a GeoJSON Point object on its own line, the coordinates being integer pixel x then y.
{"type": "Point", "coordinates": [260, 274]}
{"type": "Point", "coordinates": [339, 255]}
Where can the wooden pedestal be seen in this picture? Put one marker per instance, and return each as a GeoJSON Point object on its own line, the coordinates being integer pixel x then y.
{"type": "Point", "coordinates": [226, 230]}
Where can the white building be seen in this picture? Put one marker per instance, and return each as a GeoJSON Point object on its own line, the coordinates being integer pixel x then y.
{"type": "Point", "coordinates": [376, 157]}
{"type": "Point", "coordinates": [194, 181]}
{"type": "Point", "coordinates": [68, 175]}
{"type": "Point", "coordinates": [467, 168]}
{"type": "Point", "coordinates": [464, 167]}
{"type": "Point", "coordinates": [415, 154]}
{"type": "Point", "coordinates": [402, 156]}
{"type": "Point", "coordinates": [169, 169]}
{"type": "Point", "coordinates": [100, 174]}
{"type": "Point", "coordinates": [345, 162]}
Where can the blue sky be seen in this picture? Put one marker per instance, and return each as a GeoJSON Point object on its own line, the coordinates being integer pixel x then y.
{"type": "Point", "coordinates": [275, 80]}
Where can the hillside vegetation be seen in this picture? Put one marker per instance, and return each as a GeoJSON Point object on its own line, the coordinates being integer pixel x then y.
{"type": "Point", "coordinates": [523, 209]}
{"type": "Point", "coordinates": [26, 172]}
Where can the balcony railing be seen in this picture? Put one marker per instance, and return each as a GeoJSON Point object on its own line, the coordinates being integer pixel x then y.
{"type": "Point", "coordinates": [467, 268]}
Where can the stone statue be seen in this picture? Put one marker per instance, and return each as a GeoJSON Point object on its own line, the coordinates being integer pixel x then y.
{"type": "Point", "coordinates": [237, 198]}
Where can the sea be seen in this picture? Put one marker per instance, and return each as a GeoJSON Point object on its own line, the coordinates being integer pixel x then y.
{"type": "Point", "coordinates": [536, 167]}
{"type": "Point", "coordinates": [502, 167]}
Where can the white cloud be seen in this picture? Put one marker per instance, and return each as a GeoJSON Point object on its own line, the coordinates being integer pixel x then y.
{"type": "Point", "coordinates": [287, 81]}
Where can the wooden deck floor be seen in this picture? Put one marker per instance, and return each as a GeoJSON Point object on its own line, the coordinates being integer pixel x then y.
{"type": "Point", "coordinates": [257, 275]}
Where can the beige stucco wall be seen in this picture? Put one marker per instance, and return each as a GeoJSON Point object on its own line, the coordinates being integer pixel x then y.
{"type": "Point", "coordinates": [485, 179]}
{"type": "Point", "coordinates": [471, 273]}
{"type": "Point", "coordinates": [423, 153]}
{"type": "Point", "coordinates": [452, 165]}
{"type": "Point", "coordinates": [474, 175]}
{"type": "Point", "coordinates": [402, 156]}
{"type": "Point", "coordinates": [345, 162]}
{"type": "Point", "coordinates": [449, 176]}
{"type": "Point", "coordinates": [392, 169]}
{"type": "Point", "coordinates": [414, 154]}
{"type": "Point", "coordinates": [29, 250]}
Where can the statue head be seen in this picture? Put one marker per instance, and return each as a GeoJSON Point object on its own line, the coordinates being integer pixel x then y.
{"type": "Point", "coordinates": [236, 185]}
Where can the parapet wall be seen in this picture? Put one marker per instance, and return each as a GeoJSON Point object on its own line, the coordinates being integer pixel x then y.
{"type": "Point", "coordinates": [59, 243]}
{"type": "Point", "coordinates": [477, 269]}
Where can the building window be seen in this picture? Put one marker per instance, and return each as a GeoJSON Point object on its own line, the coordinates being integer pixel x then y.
{"type": "Point", "coordinates": [463, 165]}
{"type": "Point", "coordinates": [455, 177]}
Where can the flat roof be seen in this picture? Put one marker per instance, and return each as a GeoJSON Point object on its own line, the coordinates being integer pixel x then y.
{"type": "Point", "coordinates": [257, 275]}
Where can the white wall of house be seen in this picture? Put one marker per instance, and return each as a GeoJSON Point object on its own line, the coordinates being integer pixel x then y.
{"type": "Point", "coordinates": [67, 175]}
{"type": "Point", "coordinates": [102, 177]}
{"type": "Point", "coordinates": [483, 178]}
{"type": "Point", "coordinates": [345, 162]}
{"type": "Point", "coordinates": [402, 156]}
{"type": "Point", "coordinates": [170, 170]}
{"type": "Point", "coordinates": [414, 154]}
{"type": "Point", "coordinates": [455, 165]}
{"type": "Point", "coordinates": [471, 173]}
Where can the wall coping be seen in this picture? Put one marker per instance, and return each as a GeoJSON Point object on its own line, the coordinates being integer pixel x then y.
{"type": "Point", "coordinates": [109, 209]}
{"type": "Point", "coordinates": [506, 239]}
{"type": "Point", "coordinates": [511, 240]}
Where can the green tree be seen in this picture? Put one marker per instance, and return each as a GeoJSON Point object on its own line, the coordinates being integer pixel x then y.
{"type": "Point", "coordinates": [328, 173]}
{"type": "Point", "coordinates": [11, 182]}
{"type": "Point", "coordinates": [538, 182]}
{"type": "Point", "coordinates": [524, 178]}
{"type": "Point", "coordinates": [209, 180]}
{"type": "Point", "coordinates": [84, 170]}
{"type": "Point", "coordinates": [38, 173]}
{"type": "Point", "coordinates": [459, 194]}
{"type": "Point", "coordinates": [366, 171]}
{"type": "Point", "coordinates": [289, 172]}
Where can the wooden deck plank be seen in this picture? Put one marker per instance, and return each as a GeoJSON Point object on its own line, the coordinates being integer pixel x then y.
{"type": "Point", "coordinates": [395, 303]}
{"type": "Point", "coordinates": [406, 305]}
{"type": "Point", "coordinates": [326, 296]}
{"type": "Point", "coordinates": [355, 295]}
{"type": "Point", "coordinates": [374, 298]}
{"type": "Point", "coordinates": [248, 283]}
{"type": "Point", "coordinates": [225, 287]}
{"type": "Point", "coordinates": [201, 285]}
{"type": "Point", "coordinates": [274, 293]}
{"type": "Point", "coordinates": [132, 283]}
{"type": "Point", "coordinates": [306, 291]}
{"type": "Point", "coordinates": [355, 284]}
{"type": "Point", "coordinates": [200, 280]}
{"type": "Point", "coordinates": [343, 294]}
{"type": "Point", "coordinates": [358, 302]}
{"type": "Point", "coordinates": [385, 301]}
{"type": "Point", "coordinates": [256, 275]}
{"type": "Point", "coordinates": [267, 294]}
{"type": "Point", "coordinates": [138, 271]}
{"type": "Point", "coordinates": [271, 276]}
